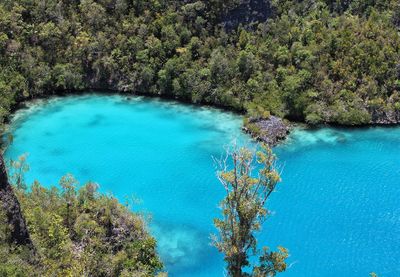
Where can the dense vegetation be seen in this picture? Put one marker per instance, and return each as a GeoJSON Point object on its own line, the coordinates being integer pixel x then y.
{"type": "Point", "coordinates": [75, 232]}
{"type": "Point", "coordinates": [313, 60]}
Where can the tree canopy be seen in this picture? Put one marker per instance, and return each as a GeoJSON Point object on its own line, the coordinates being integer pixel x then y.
{"type": "Point", "coordinates": [76, 231]}
{"type": "Point", "coordinates": [315, 60]}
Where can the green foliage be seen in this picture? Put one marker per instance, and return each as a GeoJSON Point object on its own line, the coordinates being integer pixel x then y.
{"type": "Point", "coordinates": [76, 232]}
{"type": "Point", "coordinates": [243, 212]}
{"type": "Point", "coordinates": [318, 61]}
{"type": "Point", "coordinates": [16, 172]}
{"type": "Point", "coordinates": [14, 260]}
{"type": "Point", "coordinates": [83, 231]}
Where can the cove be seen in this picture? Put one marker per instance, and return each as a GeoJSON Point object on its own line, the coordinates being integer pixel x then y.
{"type": "Point", "coordinates": [336, 210]}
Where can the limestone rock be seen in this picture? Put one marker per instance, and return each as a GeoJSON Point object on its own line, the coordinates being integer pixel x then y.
{"type": "Point", "coordinates": [10, 205]}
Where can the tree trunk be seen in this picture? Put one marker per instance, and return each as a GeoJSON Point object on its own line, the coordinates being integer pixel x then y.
{"type": "Point", "coordinates": [9, 203]}
{"type": "Point", "coordinates": [235, 267]}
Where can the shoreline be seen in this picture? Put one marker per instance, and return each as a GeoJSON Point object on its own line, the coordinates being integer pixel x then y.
{"type": "Point", "coordinates": [34, 102]}
{"type": "Point", "coordinates": [107, 91]}
{"type": "Point", "coordinates": [272, 131]}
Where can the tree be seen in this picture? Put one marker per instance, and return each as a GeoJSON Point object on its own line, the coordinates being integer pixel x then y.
{"type": "Point", "coordinates": [16, 172]}
{"type": "Point", "coordinates": [68, 184]}
{"type": "Point", "coordinates": [243, 211]}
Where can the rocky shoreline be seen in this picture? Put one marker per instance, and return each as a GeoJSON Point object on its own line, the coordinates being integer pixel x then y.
{"type": "Point", "coordinates": [273, 129]}
{"type": "Point", "coordinates": [269, 131]}
{"type": "Point", "coordinates": [385, 116]}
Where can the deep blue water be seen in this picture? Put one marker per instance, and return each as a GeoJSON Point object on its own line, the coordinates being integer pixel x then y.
{"type": "Point", "coordinates": [337, 209]}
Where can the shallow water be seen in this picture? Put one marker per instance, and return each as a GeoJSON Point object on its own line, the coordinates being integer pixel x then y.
{"type": "Point", "coordinates": [337, 209]}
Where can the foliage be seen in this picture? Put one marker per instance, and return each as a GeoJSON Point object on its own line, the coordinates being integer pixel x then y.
{"type": "Point", "coordinates": [14, 260]}
{"type": "Point", "coordinates": [16, 172]}
{"type": "Point", "coordinates": [77, 232]}
{"type": "Point", "coordinates": [319, 61]}
{"type": "Point", "coordinates": [243, 211]}
{"type": "Point", "coordinates": [313, 60]}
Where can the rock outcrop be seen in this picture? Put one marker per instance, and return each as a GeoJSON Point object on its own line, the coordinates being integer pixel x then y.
{"type": "Point", "coordinates": [269, 131]}
{"type": "Point", "coordinates": [10, 205]}
{"type": "Point", "coordinates": [382, 116]}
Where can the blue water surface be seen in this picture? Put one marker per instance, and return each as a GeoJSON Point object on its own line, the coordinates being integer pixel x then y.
{"type": "Point", "coordinates": [337, 209]}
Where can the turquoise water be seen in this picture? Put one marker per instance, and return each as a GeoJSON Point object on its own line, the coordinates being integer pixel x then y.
{"type": "Point", "coordinates": [337, 209]}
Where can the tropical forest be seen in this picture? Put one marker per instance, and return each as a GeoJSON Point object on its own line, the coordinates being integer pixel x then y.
{"type": "Point", "coordinates": [200, 138]}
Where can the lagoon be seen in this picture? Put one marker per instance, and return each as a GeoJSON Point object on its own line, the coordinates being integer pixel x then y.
{"type": "Point", "coordinates": [336, 210]}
